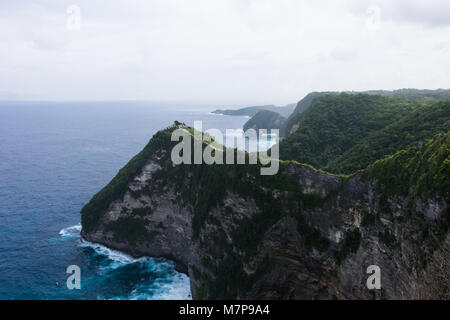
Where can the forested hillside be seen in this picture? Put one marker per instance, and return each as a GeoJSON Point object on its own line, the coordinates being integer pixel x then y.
{"type": "Point", "coordinates": [415, 95]}
{"type": "Point", "coordinates": [265, 119]}
{"type": "Point", "coordinates": [342, 133]}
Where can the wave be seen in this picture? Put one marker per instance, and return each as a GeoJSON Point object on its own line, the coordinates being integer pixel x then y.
{"type": "Point", "coordinates": [165, 284]}
{"type": "Point", "coordinates": [117, 259]}
{"type": "Point", "coordinates": [70, 232]}
{"type": "Point", "coordinates": [177, 287]}
{"type": "Point", "coordinates": [111, 254]}
{"type": "Point", "coordinates": [269, 135]}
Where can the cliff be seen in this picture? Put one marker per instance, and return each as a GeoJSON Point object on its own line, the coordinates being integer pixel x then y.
{"type": "Point", "coordinates": [265, 119]}
{"type": "Point", "coordinates": [300, 234]}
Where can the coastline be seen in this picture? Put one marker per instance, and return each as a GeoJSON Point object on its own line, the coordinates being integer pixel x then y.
{"type": "Point", "coordinates": [178, 265]}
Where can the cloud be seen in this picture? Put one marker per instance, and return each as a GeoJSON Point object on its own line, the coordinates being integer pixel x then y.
{"type": "Point", "coordinates": [431, 13]}
{"type": "Point", "coordinates": [344, 54]}
{"type": "Point", "coordinates": [222, 51]}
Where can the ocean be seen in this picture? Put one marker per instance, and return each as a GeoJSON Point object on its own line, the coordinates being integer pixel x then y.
{"type": "Point", "coordinates": [53, 158]}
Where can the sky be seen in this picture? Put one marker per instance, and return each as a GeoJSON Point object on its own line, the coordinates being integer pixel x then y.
{"type": "Point", "coordinates": [243, 52]}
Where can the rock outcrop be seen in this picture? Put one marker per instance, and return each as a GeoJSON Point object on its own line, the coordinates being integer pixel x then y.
{"type": "Point", "coordinates": [300, 234]}
{"type": "Point", "coordinates": [265, 119]}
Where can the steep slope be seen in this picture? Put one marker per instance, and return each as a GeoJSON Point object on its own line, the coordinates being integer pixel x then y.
{"type": "Point", "coordinates": [336, 122]}
{"type": "Point", "coordinates": [300, 234]}
{"type": "Point", "coordinates": [344, 133]}
{"type": "Point", "coordinates": [291, 124]}
{"type": "Point", "coordinates": [265, 120]}
{"type": "Point", "coordinates": [422, 123]}
{"type": "Point", "coordinates": [414, 95]}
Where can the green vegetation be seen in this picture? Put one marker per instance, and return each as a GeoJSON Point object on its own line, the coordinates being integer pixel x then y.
{"type": "Point", "coordinates": [284, 111]}
{"type": "Point", "coordinates": [118, 186]}
{"type": "Point", "coordinates": [368, 219]}
{"type": "Point", "coordinates": [419, 172]}
{"type": "Point", "coordinates": [415, 94]}
{"type": "Point", "coordinates": [144, 211]}
{"type": "Point", "coordinates": [336, 122]}
{"type": "Point", "coordinates": [311, 237]}
{"type": "Point", "coordinates": [265, 120]}
{"type": "Point", "coordinates": [421, 169]}
{"type": "Point", "coordinates": [129, 229]}
{"type": "Point", "coordinates": [352, 241]}
{"type": "Point", "coordinates": [230, 280]}
{"type": "Point", "coordinates": [338, 132]}
{"type": "Point", "coordinates": [422, 123]}
{"type": "Point", "coordinates": [405, 94]}
{"type": "Point", "coordinates": [302, 106]}
{"type": "Point", "coordinates": [343, 133]}
{"type": "Point", "coordinates": [388, 239]}
{"type": "Point", "coordinates": [203, 188]}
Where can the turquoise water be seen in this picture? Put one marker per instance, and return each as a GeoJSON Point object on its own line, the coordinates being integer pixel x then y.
{"type": "Point", "coordinates": [53, 158]}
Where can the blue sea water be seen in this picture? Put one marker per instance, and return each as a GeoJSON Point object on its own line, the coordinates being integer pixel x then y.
{"type": "Point", "coordinates": [53, 158]}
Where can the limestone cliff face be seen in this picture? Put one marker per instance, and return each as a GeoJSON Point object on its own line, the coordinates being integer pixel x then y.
{"type": "Point", "coordinates": [302, 234]}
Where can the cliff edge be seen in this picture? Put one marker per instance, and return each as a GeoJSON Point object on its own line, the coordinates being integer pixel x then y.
{"type": "Point", "coordinates": [300, 234]}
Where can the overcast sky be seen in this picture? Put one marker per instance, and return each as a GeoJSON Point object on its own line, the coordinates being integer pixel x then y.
{"type": "Point", "coordinates": [219, 51]}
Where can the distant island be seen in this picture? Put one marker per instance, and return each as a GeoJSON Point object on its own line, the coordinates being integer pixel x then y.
{"type": "Point", "coordinates": [285, 111]}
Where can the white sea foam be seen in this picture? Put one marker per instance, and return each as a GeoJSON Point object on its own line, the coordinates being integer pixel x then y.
{"type": "Point", "coordinates": [98, 248]}
{"type": "Point", "coordinates": [72, 231]}
{"type": "Point", "coordinates": [170, 285]}
{"type": "Point", "coordinates": [178, 289]}
{"type": "Point", "coordinates": [111, 254]}
{"type": "Point", "coordinates": [269, 134]}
